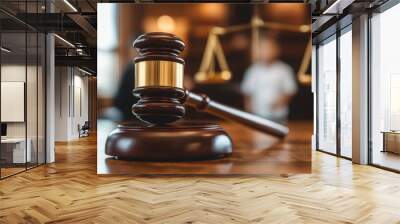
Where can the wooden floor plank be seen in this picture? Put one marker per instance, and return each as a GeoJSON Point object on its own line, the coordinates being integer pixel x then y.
{"type": "Point", "coordinates": [70, 191]}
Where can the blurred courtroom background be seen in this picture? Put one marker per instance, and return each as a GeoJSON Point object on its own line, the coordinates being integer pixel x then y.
{"type": "Point", "coordinates": [120, 24]}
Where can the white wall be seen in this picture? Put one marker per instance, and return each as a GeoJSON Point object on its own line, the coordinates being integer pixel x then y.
{"type": "Point", "coordinates": [71, 94]}
{"type": "Point", "coordinates": [12, 73]}
{"type": "Point", "coordinates": [80, 100]}
{"type": "Point", "coordinates": [17, 73]}
{"type": "Point", "coordinates": [61, 103]}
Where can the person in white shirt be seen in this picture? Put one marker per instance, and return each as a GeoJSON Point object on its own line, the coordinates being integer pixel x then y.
{"type": "Point", "coordinates": [269, 83]}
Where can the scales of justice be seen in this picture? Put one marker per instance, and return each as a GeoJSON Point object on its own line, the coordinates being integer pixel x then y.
{"type": "Point", "coordinates": [159, 71]}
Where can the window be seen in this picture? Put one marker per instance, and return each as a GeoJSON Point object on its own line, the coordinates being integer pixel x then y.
{"type": "Point", "coordinates": [327, 96]}
{"type": "Point", "coordinates": [345, 93]}
{"type": "Point", "coordinates": [385, 89]}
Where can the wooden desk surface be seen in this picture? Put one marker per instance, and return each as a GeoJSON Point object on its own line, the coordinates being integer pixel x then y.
{"type": "Point", "coordinates": [254, 153]}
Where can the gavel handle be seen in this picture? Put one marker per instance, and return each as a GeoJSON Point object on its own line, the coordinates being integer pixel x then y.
{"type": "Point", "coordinates": [203, 103]}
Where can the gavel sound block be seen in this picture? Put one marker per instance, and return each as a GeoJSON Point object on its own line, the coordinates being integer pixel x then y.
{"type": "Point", "coordinates": [159, 86]}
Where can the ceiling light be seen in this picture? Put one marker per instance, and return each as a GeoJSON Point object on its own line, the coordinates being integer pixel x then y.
{"type": "Point", "coordinates": [337, 7]}
{"type": "Point", "coordinates": [84, 71]}
{"type": "Point", "coordinates": [65, 41]}
{"type": "Point", "coordinates": [71, 6]}
{"type": "Point", "coordinates": [5, 50]}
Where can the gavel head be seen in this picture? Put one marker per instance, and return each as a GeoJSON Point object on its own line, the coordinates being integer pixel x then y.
{"type": "Point", "coordinates": [159, 78]}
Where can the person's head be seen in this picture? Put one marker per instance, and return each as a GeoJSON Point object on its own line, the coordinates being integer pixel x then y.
{"type": "Point", "coordinates": [269, 49]}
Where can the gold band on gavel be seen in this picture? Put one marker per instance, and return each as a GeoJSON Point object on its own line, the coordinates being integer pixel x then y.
{"type": "Point", "coordinates": [158, 73]}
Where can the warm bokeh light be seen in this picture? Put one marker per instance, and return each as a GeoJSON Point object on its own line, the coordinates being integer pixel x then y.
{"type": "Point", "coordinates": [166, 23]}
{"type": "Point", "coordinates": [292, 12]}
{"type": "Point", "coordinates": [212, 11]}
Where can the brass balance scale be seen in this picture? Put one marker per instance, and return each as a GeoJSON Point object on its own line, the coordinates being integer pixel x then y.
{"type": "Point", "coordinates": [214, 53]}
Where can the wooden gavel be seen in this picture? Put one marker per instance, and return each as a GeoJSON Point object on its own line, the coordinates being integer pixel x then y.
{"type": "Point", "coordinates": [159, 87]}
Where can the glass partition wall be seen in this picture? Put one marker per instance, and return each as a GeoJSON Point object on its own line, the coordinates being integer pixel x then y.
{"type": "Point", "coordinates": [334, 94]}
{"type": "Point", "coordinates": [385, 89]}
{"type": "Point", "coordinates": [22, 78]}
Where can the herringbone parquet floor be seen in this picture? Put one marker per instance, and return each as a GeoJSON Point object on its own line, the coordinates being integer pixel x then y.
{"type": "Point", "coordinates": [69, 191]}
